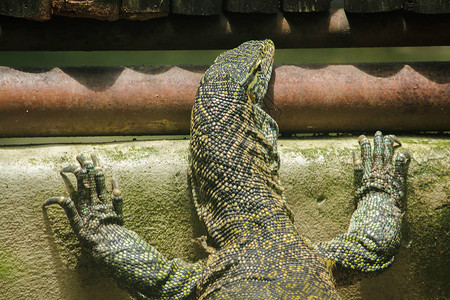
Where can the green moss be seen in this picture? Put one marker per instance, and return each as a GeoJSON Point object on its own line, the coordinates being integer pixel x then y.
{"type": "Point", "coordinates": [182, 152]}
{"type": "Point", "coordinates": [314, 152]}
{"type": "Point", "coordinates": [118, 153]}
{"type": "Point", "coordinates": [8, 266]}
{"type": "Point", "coordinates": [60, 162]}
{"type": "Point", "coordinates": [114, 153]}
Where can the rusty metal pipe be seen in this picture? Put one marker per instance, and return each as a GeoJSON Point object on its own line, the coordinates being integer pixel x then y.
{"type": "Point", "coordinates": [331, 29]}
{"type": "Point", "coordinates": [136, 101]}
{"type": "Point", "coordinates": [365, 97]}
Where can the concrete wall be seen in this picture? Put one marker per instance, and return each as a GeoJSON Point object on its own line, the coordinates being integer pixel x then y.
{"type": "Point", "coordinates": [40, 257]}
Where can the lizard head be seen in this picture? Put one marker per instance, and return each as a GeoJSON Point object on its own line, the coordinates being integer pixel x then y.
{"type": "Point", "coordinates": [249, 65]}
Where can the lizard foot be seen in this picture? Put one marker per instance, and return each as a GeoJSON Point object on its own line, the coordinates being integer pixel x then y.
{"type": "Point", "coordinates": [378, 170]}
{"type": "Point", "coordinates": [91, 205]}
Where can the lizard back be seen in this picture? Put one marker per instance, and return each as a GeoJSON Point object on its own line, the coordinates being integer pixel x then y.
{"type": "Point", "coordinates": [236, 189]}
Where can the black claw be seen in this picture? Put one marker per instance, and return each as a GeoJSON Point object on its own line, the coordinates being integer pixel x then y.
{"type": "Point", "coordinates": [81, 159]}
{"type": "Point", "coordinates": [95, 161]}
{"type": "Point", "coordinates": [71, 169]}
{"type": "Point", "coordinates": [53, 200]}
{"type": "Point", "coordinates": [407, 155]}
{"type": "Point", "coordinates": [117, 199]}
{"type": "Point", "coordinates": [357, 163]}
{"type": "Point", "coordinates": [115, 187]}
{"type": "Point", "coordinates": [396, 140]}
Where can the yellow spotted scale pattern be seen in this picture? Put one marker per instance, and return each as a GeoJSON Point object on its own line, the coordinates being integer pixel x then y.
{"type": "Point", "coordinates": [373, 236]}
{"type": "Point", "coordinates": [233, 176]}
{"type": "Point", "coordinates": [236, 190]}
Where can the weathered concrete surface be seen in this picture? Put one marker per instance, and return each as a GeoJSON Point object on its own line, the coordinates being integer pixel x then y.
{"type": "Point", "coordinates": [41, 259]}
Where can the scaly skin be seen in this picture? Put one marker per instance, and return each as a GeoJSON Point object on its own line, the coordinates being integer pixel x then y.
{"type": "Point", "coordinates": [374, 233]}
{"type": "Point", "coordinates": [233, 175]}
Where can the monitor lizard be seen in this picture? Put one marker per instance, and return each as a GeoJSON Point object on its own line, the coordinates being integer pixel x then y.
{"type": "Point", "coordinates": [233, 176]}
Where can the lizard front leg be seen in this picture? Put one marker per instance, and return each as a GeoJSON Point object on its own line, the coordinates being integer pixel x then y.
{"type": "Point", "coordinates": [373, 236]}
{"type": "Point", "coordinates": [96, 219]}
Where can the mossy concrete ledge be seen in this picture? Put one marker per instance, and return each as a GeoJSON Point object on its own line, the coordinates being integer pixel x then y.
{"type": "Point", "coordinates": [40, 257]}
